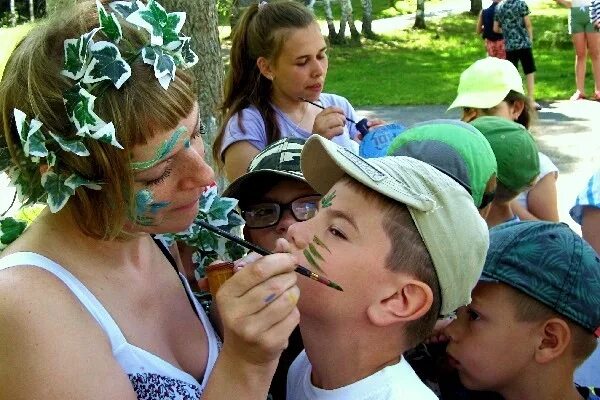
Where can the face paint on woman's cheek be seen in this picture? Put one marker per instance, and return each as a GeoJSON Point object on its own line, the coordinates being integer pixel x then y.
{"type": "Point", "coordinates": [146, 208]}
{"type": "Point", "coordinates": [163, 151]}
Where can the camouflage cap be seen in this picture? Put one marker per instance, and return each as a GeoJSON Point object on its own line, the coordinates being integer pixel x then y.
{"type": "Point", "coordinates": [552, 264]}
{"type": "Point", "coordinates": [279, 159]}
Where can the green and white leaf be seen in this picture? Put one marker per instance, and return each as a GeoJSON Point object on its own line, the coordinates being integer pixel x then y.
{"type": "Point", "coordinates": [32, 138]}
{"type": "Point", "coordinates": [164, 69]}
{"type": "Point", "coordinates": [125, 8]}
{"type": "Point", "coordinates": [107, 134]}
{"type": "Point", "coordinates": [58, 191]}
{"type": "Point", "coordinates": [71, 145]}
{"type": "Point", "coordinates": [24, 128]}
{"type": "Point", "coordinates": [51, 158]}
{"type": "Point", "coordinates": [206, 201]}
{"type": "Point", "coordinates": [74, 181]}
{"type": "Point", "coordinates": [163, 27]}
{"type": "Point", "coordinates": [109, 24]}
{"type": "Point", "coordinates": [219, 211]}
{"type": "Point", "coordinates": [80, 109]}
{"type": "Point", "coordinates": [10, 230]}
{"type": "Point", "coordinates": [150, 53]}
{"type": "Point", "coordinates": [76, 55]}
{"type": "Point", "coordinates": [185, 56]}
{"type": "Point", "coordinates": [35, 145]}
{"type": "Point", "coordinates": [107, 63]}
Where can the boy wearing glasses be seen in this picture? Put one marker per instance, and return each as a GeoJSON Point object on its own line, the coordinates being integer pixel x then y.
{"type": "Point", "coordinates": [273, 195]}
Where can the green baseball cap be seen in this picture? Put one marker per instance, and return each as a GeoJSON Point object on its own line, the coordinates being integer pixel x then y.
{"type": "Point", "coordinates": [279, 159]}
{"type": "Point", "coordinates": [442, 210]}
{"type": "Point", "coordinates": [486, 83]}
{"type": "Point", "coordinates": [515, 150]}
{"type": "Point", "coordinates": [552, 264]}
{"type": "Point", "coordinates": [453, 147]}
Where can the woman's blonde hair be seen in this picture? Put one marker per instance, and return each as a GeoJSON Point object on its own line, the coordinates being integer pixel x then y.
{"type": "Point", "coordinates": [33, 83]}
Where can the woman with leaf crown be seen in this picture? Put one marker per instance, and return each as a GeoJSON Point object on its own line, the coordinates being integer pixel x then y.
{"type": "Point", "coordinates": [101, 123]}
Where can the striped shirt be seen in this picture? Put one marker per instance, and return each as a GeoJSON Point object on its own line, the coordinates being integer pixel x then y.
{"type": "Point", "coordinates": [589, 197]}
{"type": "Point", "coordinates": [595, 11]}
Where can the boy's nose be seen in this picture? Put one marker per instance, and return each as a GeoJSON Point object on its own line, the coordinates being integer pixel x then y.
{"type": "Point", "coordinates": [452, 331]}
{"type": "Point", "coordinates": [295, 235]}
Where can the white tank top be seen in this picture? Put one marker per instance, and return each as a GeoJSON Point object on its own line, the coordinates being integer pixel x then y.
{"type": "Point", "coordinates": [151, 376]}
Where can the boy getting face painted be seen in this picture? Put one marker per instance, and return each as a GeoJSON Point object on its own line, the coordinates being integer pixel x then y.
{"type": "Point", "coordinates": [406, 243]}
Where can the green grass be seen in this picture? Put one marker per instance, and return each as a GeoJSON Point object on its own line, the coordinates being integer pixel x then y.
{"type": "Point", "coordinates": [423, 67]}
{"type": "Point", "coordinates": [412, 67]}
{"type": "Point", "coordinates": [10, 38]}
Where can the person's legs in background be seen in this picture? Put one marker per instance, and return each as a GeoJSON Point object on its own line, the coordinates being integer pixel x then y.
{"type": "Point", "coordinates": [593, 46]}
{"type": "Point", "coordinates": [579, 44]}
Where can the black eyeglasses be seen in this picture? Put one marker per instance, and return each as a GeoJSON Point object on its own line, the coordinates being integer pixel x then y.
{"type": "Point", "coordinates": [263, 215]}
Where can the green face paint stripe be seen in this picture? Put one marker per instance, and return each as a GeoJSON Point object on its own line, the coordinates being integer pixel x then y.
{"type": "Point", "coordinates": [314, 252]}
{"type": "Point", "coordinates": [163, 151]}
{"type": "Point", "coordinates": [144, 205]}
{"type": "Point", "coordinates": [318, 242]}
{"type": "Point", "coordinates": [326, 201]}
{"type": "Point", "coordinates": [311, 260]}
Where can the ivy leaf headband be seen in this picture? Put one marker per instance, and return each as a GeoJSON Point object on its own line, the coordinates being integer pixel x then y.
{"type": "Point", "coordinates": [94, 66]}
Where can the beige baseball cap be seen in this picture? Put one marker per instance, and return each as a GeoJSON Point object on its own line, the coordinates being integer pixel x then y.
{"type": "Point", "coordinates": [455, 235]}
{"type": "Point", "coordinates": [486, 83]}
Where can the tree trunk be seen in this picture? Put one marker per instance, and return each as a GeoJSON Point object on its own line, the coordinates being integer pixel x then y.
{"type": "Point", "coordinates": [367, 18]}
{"type": "Point", "coordinates": [420, 15]}
{"type": "Point", "coordinates": [31, 11]}
{"type": "Point", "coordinates": [57, 5]}
{"type": "Point", "coordinates": [329, 19]}
{"type": "Point", "coordinates": [476, 6]}
{"type": "Point", "coordinates": [202, 26]}
{"type": "Point", "coordinates": [347, 18]}
{"type": "Point", "coordinates": [13, 13]}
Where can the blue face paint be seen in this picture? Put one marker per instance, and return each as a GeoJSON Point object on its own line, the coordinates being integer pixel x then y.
{"type": "Point", "coordinates": [144, 205]}
{"type": "Point", "coordinates": [187, 143]}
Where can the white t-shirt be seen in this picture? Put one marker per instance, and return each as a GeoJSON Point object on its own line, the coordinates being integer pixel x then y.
{"type": "Point", "coordinates": [395, 382]}
{"type": "Point", "coordinates": [546, 167]}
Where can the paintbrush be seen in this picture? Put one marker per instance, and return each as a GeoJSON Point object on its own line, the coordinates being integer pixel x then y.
{"type": "Point", "coordinates": [252, 247]}
{"type": "Point", "coordinates": [361, 125]}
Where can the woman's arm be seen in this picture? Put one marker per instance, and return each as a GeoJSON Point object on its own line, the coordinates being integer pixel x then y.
{"type": "Point", "coordinates": [542, 199]}
{"type": "Point", "coordinates": [479, 26]}
{"type": "Point", "coordinates": [256, 327]}
{"type": "Point", "coordinates": [52, 348]}
{"type": "Point", "coordinates": [590, 227]}
{"type": "Point", "coordinates": [237, 159]}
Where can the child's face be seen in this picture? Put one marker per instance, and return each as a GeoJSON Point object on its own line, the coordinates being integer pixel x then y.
{"type": "Point", "coordinates": [489, 347]}
{"type": "Point", "coordinates": [301, 66]}
{"type": "Point", "coordinates": [345, 242]}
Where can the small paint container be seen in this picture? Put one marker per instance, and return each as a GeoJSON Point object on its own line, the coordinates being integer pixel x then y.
{"type": "Point", "coordinates": [217, 274]}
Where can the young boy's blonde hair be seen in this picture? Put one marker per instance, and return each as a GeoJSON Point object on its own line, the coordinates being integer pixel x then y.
{"type": "Point", "coordinates": [434, 227]}
{"type": "Point", "coordinates": [408, 254]}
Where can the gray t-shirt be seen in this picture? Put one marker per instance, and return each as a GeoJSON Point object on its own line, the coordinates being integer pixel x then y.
{"type": "Point", "coordinates": [255, 133]}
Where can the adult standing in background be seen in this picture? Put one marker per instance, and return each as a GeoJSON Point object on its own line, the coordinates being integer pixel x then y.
{"type": "Point", "coordinates": [586, 39]}
{"type": "Point", "coordinates": [512, 20]}
{"type": "Point", "coordinates": [494, 42]}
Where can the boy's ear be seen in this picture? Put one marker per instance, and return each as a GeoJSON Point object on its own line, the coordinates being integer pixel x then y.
{"type": "Point", "coordinates": [555, 335]}
{"type": "Point", "coordinates": [264, 66]}
{"type": "Point", "coordinates": [411, 301]}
